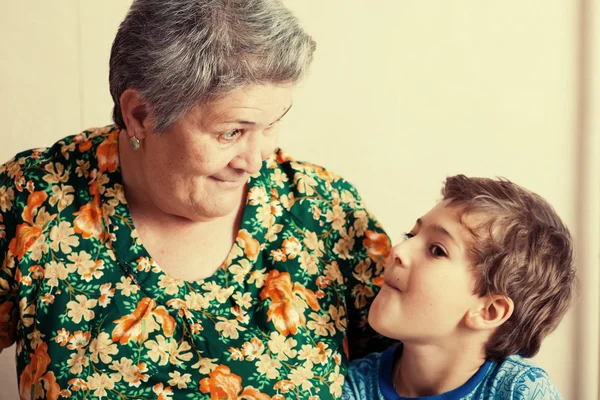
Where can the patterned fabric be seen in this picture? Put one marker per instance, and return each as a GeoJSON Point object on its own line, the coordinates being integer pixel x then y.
{"type": "Point", "coordinates": [95, 317]}
{"type": "Point", "coordinates": [515, 378]}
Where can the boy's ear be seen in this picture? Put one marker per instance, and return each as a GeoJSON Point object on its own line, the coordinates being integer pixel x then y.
{"type": "Point", "coordinates": [136, 114]}
{"type": "Point", "coordinates": [492, 311]}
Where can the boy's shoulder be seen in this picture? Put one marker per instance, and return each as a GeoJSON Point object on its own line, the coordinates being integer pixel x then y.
{"type": "Point", "coordinates": [513, 378]}
{"type": "Point", "coordinates": [366, 364]}
{"type": "Point", "coordinates": [519, 379]}
{"type": "Point", "coordinates": [362, 379]}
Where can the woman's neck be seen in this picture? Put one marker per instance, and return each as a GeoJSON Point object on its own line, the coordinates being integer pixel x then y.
{"type": "Point", "coordinates": [427, 370]}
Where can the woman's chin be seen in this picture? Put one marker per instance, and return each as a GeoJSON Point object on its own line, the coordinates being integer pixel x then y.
{"type": "Point", "coordinates": [217, 207]}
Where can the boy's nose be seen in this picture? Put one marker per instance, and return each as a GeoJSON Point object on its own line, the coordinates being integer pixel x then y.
{"type": "Point", "coordinates": [394, 258]}
{"type": "Point", "coordinates": [398, 256]}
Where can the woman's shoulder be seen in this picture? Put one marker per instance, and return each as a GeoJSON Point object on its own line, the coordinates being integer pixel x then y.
{"type": "Point", "coordinates": [306, 179]}
{"type": "Point", "coordinates": [68, 150]}
{"type": "Point", "coordinates": [68, 163]}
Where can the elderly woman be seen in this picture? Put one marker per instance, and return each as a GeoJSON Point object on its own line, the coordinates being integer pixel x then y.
{"type": "Point", "coordinates": [179, 253]}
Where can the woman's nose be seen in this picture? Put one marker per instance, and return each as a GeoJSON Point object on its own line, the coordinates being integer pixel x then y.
{"type": "Point", "coordinates": [250, 157]}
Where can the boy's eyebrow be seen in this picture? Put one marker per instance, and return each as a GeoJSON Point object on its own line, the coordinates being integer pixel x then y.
{"type": "Point", "coordinates": [441, 230]}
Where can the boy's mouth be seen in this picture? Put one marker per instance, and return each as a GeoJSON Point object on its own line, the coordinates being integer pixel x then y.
{"type": "Point", "coordinates": [391, 284]}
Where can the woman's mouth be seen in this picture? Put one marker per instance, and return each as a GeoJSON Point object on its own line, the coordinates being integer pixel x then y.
{"type": "Point", "coordinates": [231, 182]}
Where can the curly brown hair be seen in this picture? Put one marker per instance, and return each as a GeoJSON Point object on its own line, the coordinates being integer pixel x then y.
{"type": "Point", "coordinates": [522, 250]}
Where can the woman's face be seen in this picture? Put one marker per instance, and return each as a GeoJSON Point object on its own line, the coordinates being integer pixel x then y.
{"type": "Point", "coordinates": [199, 168]}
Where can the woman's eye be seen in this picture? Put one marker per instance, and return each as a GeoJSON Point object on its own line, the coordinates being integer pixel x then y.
{"type": "Point", "coordinates": [437, 251]}
{"type": "Point", "coordinates": [231, 135]}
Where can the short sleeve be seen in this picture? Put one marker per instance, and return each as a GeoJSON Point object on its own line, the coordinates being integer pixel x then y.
{"type": "Point", "coordinates": [362, 268]}
{"type": "Point", "coordinates": [361, 382]}
{"type": "Point", "coordinates": [532, 384]}
{"type": "Point", "coordinates": [9, 311]}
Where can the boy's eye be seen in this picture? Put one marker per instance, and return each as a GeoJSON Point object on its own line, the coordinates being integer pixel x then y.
{"type": "Point", "coordinates": [408, 235]}
{"type": "Point", "coordinates": [437, 251]}
{"type": "Point", "coordinates": [231, 135]}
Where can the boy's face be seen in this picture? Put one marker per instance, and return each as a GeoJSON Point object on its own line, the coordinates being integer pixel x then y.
{"type": "Point", "coordinates": [428, 285]}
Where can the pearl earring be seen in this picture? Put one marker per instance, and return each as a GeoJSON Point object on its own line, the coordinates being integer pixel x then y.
{"type": "Point", "coordinates": [134, 142]}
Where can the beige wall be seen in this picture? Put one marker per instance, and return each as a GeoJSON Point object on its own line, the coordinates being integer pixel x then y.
{"type": "Point", "coordinates": [401, 94]}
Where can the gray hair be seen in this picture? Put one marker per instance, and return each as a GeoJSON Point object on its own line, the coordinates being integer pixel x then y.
{"type": "Point", "coordinates": [179, 53]}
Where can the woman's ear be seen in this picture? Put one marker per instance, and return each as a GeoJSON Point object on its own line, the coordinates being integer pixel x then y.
{"type": "Point", "coordinates": [492, 311]}
{"type": "Point", "coordinates": [136, 114]}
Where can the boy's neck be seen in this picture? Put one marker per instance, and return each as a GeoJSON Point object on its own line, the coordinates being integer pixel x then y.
{"type": "Point", "coordinates": [427, 370]}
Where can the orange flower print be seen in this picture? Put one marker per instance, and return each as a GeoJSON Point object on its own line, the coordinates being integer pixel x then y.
{"type": "Point", "coordinates": [22, 280]}
{"type": "Point", "coordinates": [78, 384]}
{"type": "Point", "coordinates": [85, 145]}
{"type": "Point", "coordinates": [316, 212]}
{"type": "Point", "coordinates": [250, 245]}
{"type": "Point", "coordinates": [28, 232]}
{"type": "Point", "coordinates": [7, 195]}
{"type": "Point", "coordinates": [82, 141]}
{"type": "Point", "coordinates": [251, 393]}
{"type": "Point", "coordinates": [52, 388]}
{"type": "Point", "coordinates": [19, 181]}
{"type": "Point", "coordinates": [164, 393]}
{"type": "Point", "coordinates": [278, 255]}
{"type": "Point", "coordinates": [257, 195]}
{"type": "Point", "coordinates": [25, 236]}
{"type": "Point", "coordinates": [288, 302]}
{"type": "Point", "coordinates": [108, 153]}
{"type": "Point", "coordinates": [62, 337]}
{"type": "Point", "coordinates": [285, 386]}
{"type": "Point", "coordinates": [283, 157]}
{"type": "Point", "coordinates": [221, 384]}
{"type": "Point", "coordinates": [292, 247]}
{"type": "Point", "coordinates": [89, 221]}
{"type": "Point", "coordinates": [106, 294]}
{"type": "Point", "coordinates": [253, 349]}
{"type": "Point", "coordinates": [48, 298]}
{"type": "Point", "coordinates": [377, 244]}
{"type": "Point", "coordinates": [143, 320]}
{"type": "Point", "coordinates": [224, 385]}
{"type": "Point", "coordinates": [36, 271]}
{"type": "Point", "coordinates": [322, 173]}
{"type": "Point", "coordinates": [236, 354]}
{"type": "Point", "coordinates": [33, 378]}
{"type": "Point", "coordinates": [362, 293]}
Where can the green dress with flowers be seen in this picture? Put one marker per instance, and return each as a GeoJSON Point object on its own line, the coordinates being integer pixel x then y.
{"type": "Point", "coordinates": [94, 316]}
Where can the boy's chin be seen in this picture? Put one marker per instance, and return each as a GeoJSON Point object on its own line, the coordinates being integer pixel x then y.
{"type": "Point", "coordinates": [378, 321]}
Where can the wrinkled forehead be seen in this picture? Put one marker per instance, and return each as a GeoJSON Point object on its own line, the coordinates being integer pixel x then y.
{"type": "Point", "coordinates": [255, 103]}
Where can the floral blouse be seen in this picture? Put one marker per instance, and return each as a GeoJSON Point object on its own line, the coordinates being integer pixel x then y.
{"type": "Point", "coordinates": [94, 316]}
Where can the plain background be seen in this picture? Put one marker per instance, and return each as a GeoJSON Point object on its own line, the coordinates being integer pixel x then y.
{"type": "Point", "coordinates": [401, 94]}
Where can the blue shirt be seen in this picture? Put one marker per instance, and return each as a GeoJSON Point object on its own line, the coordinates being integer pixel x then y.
{"type": "Point", "coordinates": [515, 378]}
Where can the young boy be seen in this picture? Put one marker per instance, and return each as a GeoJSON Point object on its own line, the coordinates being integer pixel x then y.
{"type": "Point", "coordinates": [478, 283]}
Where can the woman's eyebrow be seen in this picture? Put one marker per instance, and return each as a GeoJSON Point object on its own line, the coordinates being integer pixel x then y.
{"type": "Point", "coordinates": [251, 123]}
